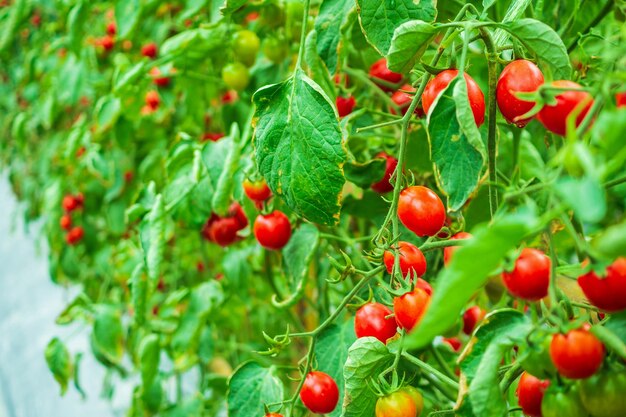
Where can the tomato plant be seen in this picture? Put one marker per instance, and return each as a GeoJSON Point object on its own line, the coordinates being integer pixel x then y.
{"type": "Point", "coordinates": [238, 192]}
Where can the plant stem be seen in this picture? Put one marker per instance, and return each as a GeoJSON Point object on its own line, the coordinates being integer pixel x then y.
{"type": "Point", "coordinates": [429, 369]}
{"type": "Point", "coordinates": [605, 10]}
{"type": "Point", "coordinates": [305, 17]}
{"type": "Point", "coordinates": [443, 244]}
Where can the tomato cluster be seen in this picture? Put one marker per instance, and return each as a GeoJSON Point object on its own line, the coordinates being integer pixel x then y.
{"type": "Point", "coordinates": [223, 230]}
{"type": "Point", "coordinates": [70, 204]}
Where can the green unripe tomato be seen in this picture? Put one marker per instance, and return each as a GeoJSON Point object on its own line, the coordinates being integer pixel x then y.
{"type": "Point", "coordinates": [246, 45]}
{"type": "Point", "coordinates": [535, 357]}
{"type": "Point", "coordinates": [561, 402]}
{"type": "Point", "coordinates": [235, 76]}
{"type": "Point", "coordinates": [275, 49]}
{"type": "Point", "coordinates": [272, 15]}
{"type": "Point", "coordinates": [604, 394]}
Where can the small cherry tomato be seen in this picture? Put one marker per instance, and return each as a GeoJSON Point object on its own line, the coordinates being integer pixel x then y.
{"type": "Point", "coordinates": [448, 251]}
{"type": "Point", "coordinates": [246, 45]}
{"type": "Point", "coordinates": [70, 203]}
{"type": "Point", "coordinates": [212, 136]}
{"type": "Point", "coordinates": [608, 292]}
{"type": "Point", "coordinates": [441, 81]}
{"type": "Point", "coordinates": [471, 318]}
{"type": "Point", "coordinates": [235, 75]}
{"type": "Point", "coordinates": [403, 100]}
{"type": "Point", "coordinates": [149, 50]}
{"type": "Point", "coordinates": [106, 42]}
{"type": "Point", "coordinates": [620, 99]}
{"type": "Point", "coordinates": [397, 404]}
{"type": "Point", "coordinates": [412, 260]}
{"type": "Point", "coordinates": [384, 186]}
{"type": "Point", "coordinates": [222, 231]}
{"type": "Point", "coordinates": [554, 118]}
{"type": "Point", "coordinates": [345, 105]}
{"type": "Point", "coordinates": [420, 283]}
{"type": "Point", "coordinates": [371, 320]}
{"type": "Point", "coordinates": [530, 277]}
{"type": "Point", "coordinates": [379, 70]}
{"type": "Point", "coordinates": [529, 393]}
{"type": "Point", "coordinates": [414, 393]}
{"type": "Point", "coordinates": [519, 76]}
{"type": "Point", "coordinates": [235, 210]}
{"type": "Point", "coordinates": [559, 401]}
{"type": "Point", "coordinates": [152, 99]}
{"type": "Point", "coordinates": [273, 230]}
{"type": "Point", "coordinates": [319, 393]}
{"type": "Point", "coordinates": [410, 307]}
{"type": "Point", "coordinates": [421, 210]}
{"type": "Point", "coordinates": [275, 49]}
{"type": "Point", "coordinates": [65, 222]}
{"type": "Point", "coordinates": [453, 342]}
{"type": "Point", "coordinates": [157, 79]}
{"type": "Point", "coordinates": [111, 29]}
{"type": "Point", "coordinates": [577, 354]}
{"type": "Point", "coordinates": [273, 415]}
{"type": "Point", "coordinates": [74, 235]}
{"type": "Point", "coordinates": [257, 191]}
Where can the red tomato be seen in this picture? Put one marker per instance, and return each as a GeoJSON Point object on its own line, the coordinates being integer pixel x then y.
{"type": "Point", "coordinates": [384, 186]}
{"type": "Point", "coordinates": [424, 285]}
{"type": "Point", "coordinates": [403, 100]}
{"type": "Point", "coordinates": [235, 210]}
{"type": "Point", "coordinates": [74, 235]}
{"type": "Point", "coordinates": [577, 354]}
{"type": "Point", "coordinates": [112, 29]}
{"type": "Point", "coordinates": [159, 81]}
{"type": "Point", "coordinates": [273, 230]}
{"type": "Point", "coordinates": [554, 117]}
{"type": "Point", "coordinates": [222, 231]}
{"type": "Point", "coordinates": [608, 292]}
{"type": "Point", "coordinates": [530, 392]}
{"type": "Point", "coordinates": [471, 318]}
{"type": "Point", "coordinates": [453, 342]}
{"type": "Point", "coordinates": [448, 251]}
{"type": "Point", "coordinates": [620, 99]}
{"type": "Point", "coordinates": [441, 81]}
{"type": "Point", "coordinates": [319, 393]}
{"type": "Point", "coordinates": [106, 42]}
{"type": "Point", "coordinates": [257, 191]}
{"type": "Point", "coordinates": [65, 222]}
{"type": "Point", "coordinates": [273, 415]}
{"type": "Point", "coordinates": [371, 320]}
{"type": "Point", "coordinates": [379, 70]}
{"type": "Point", "coordinates": [412, 260]}
{"type": "Point", "coordinates": [518, 76]}
{"type": "Point", "coordinates": [152, 99]}
{"type": "Point", "coordinates": [421, 210]}
{"type": "Point", "coordinates": [397, 404]}
{"type": "Point", "coordinates": [149, 50]}
{"type": "Point", "coordinates": [212, 136]}
{"type": "Point", "coordinates": [410, 307]}
{"type": "Point", "coordinates": [530, 277]}
{"type": "Point", "coordinates": [345, 105]}
{"type": "Point", "coordinates": [70, 203]}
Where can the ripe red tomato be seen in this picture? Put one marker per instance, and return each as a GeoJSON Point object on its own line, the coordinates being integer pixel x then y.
{"type": "Point", "coordinates": [212, 136]}
{"type": "Point", "coordinates": [384, 186]}
{"type": "Point", "coordinates": [70, 203]}
{"type": "Point", "coordinates": [620, 99]}
{"type": "Point", "coordinates": [554, 118]}
{"type": "Point", "coordinates": [273, 415]}
{"type": "Point", "coordinates": [257, 191]}
{"type": "Point", "coordinates": [577, 354]}
{"type": "Point", "coordinates": [222, 231]}
{"type": "Point", "coordinates": [421, 210]}
{"type": "Point", "coordinates": [530, 277]}
{"type": "Point", "coordinates": [424, 285]}
{"type": "Point", "coordinates": [273, 230]}
{"type": "Point", "coordinates": [449, 250]}
{"type": "Point", "coordinates": [235, 210]}
{"type": "Point", "coordinates": [530, 392]}
{"type": "Point", "coordinates": [149, 50]}
{"type": "Point", "coordinates": [412, 260]}
{"type": "Point", "coordinates": [403, 100]}
{"type": "Point", "coordinates": [410, 307]}
{"type": "Point", "coordinates": [371, 320]}
{"type": "Point", "coordinates": [518, 76]}
{"type": "Point", "coordinates": [159, 81]}
{"type": "Point", "coordinates": [609, 292]}
{"type": "Point", "coordinates": [319, 393]}
{"type": "Point", "coordinates": [453, 342]}
{"type": "Point", "coordinates": [65, 222]}
{"type": "Point", "coordinates": [441, 81]}
{"type": "Point", "coordinates": [152, 99]}
{"type": "Point", "coordinates": [379, 70]}
{"type": "Point", "coordinates": [345, 105]}
{"type": "Point", "coordinates": [471, 318]}
{"type": "Point", "coordinates": [397, 404]}
{"type": "Point", "coordinates": [106, 42]}
{"type": "Point", "coordinates": [74, 235]}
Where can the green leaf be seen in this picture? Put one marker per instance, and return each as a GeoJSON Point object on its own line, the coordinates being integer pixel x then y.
{"type": "Point", "coordinates": [299, 149]}
{"type": "Point", "coordinates": [19, 10]}
{"type": "Point", "coordinates": [332, 16]}
{"type": "Point", "coordinates": [149, 354]}
{"type": "Point", "coordinates": [365, 174]}
{"type": "Point", "coordinates": [127, 14]}
{"type": "Point", "coordinates": [617, 325]}
{"type": "Point", "coordinates": [460, 280]}
{"type": "Point", "coordinates": [108, 109]}
{"type": "Point", "coordinates": [60, 363]}
{"type": "Point", "coordinates": [225, 185]}
{"type": "Point", "coordinates": [231, 6]}
{"type": "Point", "coordinates": [202, 301]}
{"type": "Point", "coordinates": [129, 77]}
{"type": "Point", "coordinates": [152, 233]}
{"type": "Point", "coordinates": [585, 196]}
{"type": "Point", "coordinates": [367, 358]}
{"type": "Point", "coordinates": [613, 341]}
{"type": "Point", "coordinates": [315, 66]}
{"type": "Point", "coordinates": [139, 294]}
{"type": "Point", "coordinates": [455, 144]}
{"type": "Point", "coordinates": [331, 352]}
{"type": "Point", "coordinates": [611, 243]}
{"type": "Point", "coordinates": [191, 407]}
{"type": "Point", "coordinates": [379, 19]}
{"type": "Point", "coordinates": [410, 41]}
{"type": "Point", "coordinates": [107, 338]}
{"type": "Point", "coordinates": [75, 22]}
{"type": "Point", "coordinates": [251, 387]}
{"type": "Point", "coordinates": [544, 42]}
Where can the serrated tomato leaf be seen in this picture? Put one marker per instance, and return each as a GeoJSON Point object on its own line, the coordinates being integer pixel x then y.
{"type": "Point", "coordinates": [251, 387]}
{"type": "Point", "coordinates": [60, 363]}
{"type": "Point", "coordinates": [332, 16]}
